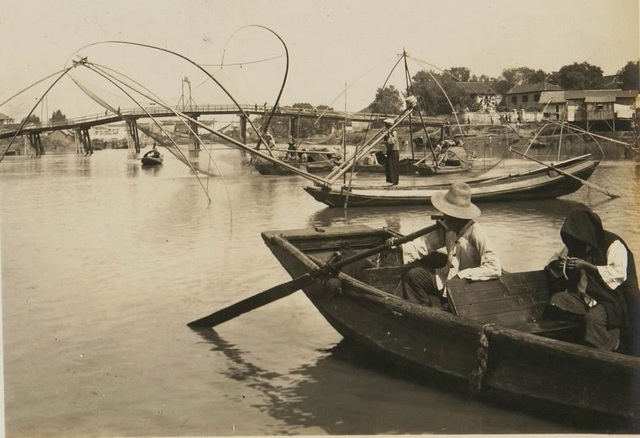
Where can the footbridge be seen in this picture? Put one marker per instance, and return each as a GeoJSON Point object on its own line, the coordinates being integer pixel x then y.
{"type": "Point", "coordinates": [83, 124]}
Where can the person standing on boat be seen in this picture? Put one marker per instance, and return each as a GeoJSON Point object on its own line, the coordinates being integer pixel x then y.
{"type": "Point", "coordinates": [392, 162]}
{"type": "Point", "coordinates": [469, 253]}
{"type": "Point", "coordinates": [594, 277]}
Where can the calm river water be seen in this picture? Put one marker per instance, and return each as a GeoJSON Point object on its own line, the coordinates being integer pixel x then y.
{"type": "Point", "coordinates": [104, 263]}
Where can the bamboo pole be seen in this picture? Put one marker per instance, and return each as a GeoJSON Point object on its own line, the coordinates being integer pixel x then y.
{"type": "Point", "coordinates": [551, 166]}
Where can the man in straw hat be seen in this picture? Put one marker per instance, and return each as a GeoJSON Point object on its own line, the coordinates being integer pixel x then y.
{"type": "Point", "coordinates": [468, 251]}
{"type": "Point", "coordinates": [392, 162]}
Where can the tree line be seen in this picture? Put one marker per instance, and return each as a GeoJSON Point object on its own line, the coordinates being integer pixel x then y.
{"type": "Point", "coordinates": [437, 92]}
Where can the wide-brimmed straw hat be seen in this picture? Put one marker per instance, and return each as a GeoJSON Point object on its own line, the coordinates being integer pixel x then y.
{"type": "Point", "coordinates": [388, 121]}
{"type": "Point", "coordinates": [456, 202]}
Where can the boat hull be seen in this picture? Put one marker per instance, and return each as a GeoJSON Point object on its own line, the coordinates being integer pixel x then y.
{"type": "Point", "coordinates": [432, 170]}
{"type": "Point", "coordinates": [405, 167]}
{"type": "Point", "coordinates": [541, 184]}
{"type": "Point", "coordinates": [267, 168]}
{"type": "Point", "coordinates": [493, 360]}
{"type": "Point", "coordinates": [151, 161]}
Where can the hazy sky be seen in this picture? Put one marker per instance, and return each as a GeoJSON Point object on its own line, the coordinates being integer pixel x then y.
{"type": "Point", "coordinates": [333, 44]}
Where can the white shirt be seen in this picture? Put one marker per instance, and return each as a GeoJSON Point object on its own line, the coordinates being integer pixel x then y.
{"type": "Point", "coordinates": [613, 274]}
{"type": "Point", "coordinates": [469, 255]}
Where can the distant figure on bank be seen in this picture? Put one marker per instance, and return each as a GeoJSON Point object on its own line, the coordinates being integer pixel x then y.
{"type": "Point", "coordinates": [594, 277]}
{"type": "Point", "coordinates": [392, 163]}
{"type": "Point", "coordinates": [271, 142]}
{"type": "Point", "coordinates": [469, 254]}
{"type": "Point", "coordinates": [370, 159]}
{"type": "Point", "coordinates": [291, 151]}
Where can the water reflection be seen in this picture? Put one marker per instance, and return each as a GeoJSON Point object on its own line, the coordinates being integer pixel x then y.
{"type": "Point", "coordinates": [547, 211]}
{"type": "Point", "coordinates": [150, 170]}
{"type": "Point", "coordinates": [370, 394]}
{"type": "Point", "coordinates": [133, 169]}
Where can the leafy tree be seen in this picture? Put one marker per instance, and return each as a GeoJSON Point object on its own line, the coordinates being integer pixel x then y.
{"type": "Point", "coordinates": [428, 88]}
{"type": "Point", "coordinates": [583, 76]}
{"type": "Point", "coordinates": [554, 78]}
{"type": "Point", "coordinates": [500, 85]}
{"type": "Point", "coordinates": [537, 77]}
{"type": "Point", "coordinates": [463, 74]}
{"type": "Point", "coordinates": [32, 119]}
{"type": "Point", "coordinates": [57, 116]}
{"type": "Point", "coordinates": [387, 101]}
{"type": "Point", "coordinates": [303, 105]}
{"type": "Point", "coordinates": [426, 91]}
{"type": "Point", "coordinates": [522, 75]}
{"type": "Point", "coordinates": [627, 76]}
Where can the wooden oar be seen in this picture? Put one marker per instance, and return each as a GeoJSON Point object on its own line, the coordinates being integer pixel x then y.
{"type": "Point", "coordinates": [583, 182]}
{"type": "Point", "coordinates": [285, 289]}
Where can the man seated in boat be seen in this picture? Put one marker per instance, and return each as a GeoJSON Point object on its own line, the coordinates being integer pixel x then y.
{"type": "Point", "coordinates": [291, 151]}
{"type": "Point", "coordinates": [469, 253]}
{"type": "Point", "coordinates": [153, 153]}
{"type": "Point", "coordinates": [369, 160]}
{"type": "Point", "coordinates": [594, 277]}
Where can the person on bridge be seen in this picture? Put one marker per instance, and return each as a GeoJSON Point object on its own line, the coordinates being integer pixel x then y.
{"type": "Point", "coordinates": [392, 163]}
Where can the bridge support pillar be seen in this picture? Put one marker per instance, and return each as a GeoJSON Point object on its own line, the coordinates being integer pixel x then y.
{"type": "Point", "coordinates": [195, 142]}
{"type": "Point", "coordinates": [85, 140]}
{"type": "Point", "coordinates": [36, 144]}
{"type": "Point", "coordinates": [294, 127]}
{"type": "Point", "coordinates": [133, 137]}
{"type": "Point", "coordinates": [243, 128]}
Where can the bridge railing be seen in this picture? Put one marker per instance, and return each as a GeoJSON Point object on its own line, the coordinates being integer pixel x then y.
{"type": "Point", "coordinates": [189, 109]}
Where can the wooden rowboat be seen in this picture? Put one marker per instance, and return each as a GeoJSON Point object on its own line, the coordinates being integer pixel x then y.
{"type": "Point", "coordinates": [151, 158]}
{"type": "Point", "coordinates": [497, 339]}
{"type": "Point", "coordinates": [539, 183]}
{"type": "Point", "coordinates": [313, 159]}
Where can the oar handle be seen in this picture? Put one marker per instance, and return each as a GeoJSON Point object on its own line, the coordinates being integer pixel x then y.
{"type": "Point", "coordinates": [285, 289]}
{"type": "Point", "coordinates": [380, 248]}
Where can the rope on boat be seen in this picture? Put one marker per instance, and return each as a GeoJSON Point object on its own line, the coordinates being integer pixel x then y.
{"type": "Point", "coordinates": [476, 375]}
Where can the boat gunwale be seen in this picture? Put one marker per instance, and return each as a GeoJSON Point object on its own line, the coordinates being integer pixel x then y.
{"type": "Point", "coordinates": [388, 299]}
{"type": "Point", "coordinates": [501, 340]}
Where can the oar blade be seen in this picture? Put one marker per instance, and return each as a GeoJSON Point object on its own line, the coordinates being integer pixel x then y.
{"type": "Point", "coordinates": [253, 302]}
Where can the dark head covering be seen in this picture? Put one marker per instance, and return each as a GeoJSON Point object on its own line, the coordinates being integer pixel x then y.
{"type": "Point", "coordinates": [582, 227]}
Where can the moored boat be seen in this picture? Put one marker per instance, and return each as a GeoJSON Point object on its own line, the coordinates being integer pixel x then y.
{"type": "Point", "coordinates": [152, 158]}
{"type": "Point", "coordinates": [312, 160]}
{"type": "Point", "coordinates": [512, 351]}
{"type": "Point", "coordinates": [453, 160]}
{"type": "Point", "coordinates": [540, 183]}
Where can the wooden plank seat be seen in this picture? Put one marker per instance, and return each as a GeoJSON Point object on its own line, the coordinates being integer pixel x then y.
{"type": "Point", "coordinates": [515, 300]}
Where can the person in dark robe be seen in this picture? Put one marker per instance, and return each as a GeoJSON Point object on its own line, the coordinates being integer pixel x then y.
{"type": "Point", "coordinates": [594, 278]}
{"type": "Point", "coordinates": [392, 162]}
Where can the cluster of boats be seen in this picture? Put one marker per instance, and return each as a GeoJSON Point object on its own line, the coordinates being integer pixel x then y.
{"type": "Point", "coordinates": [513, 351]}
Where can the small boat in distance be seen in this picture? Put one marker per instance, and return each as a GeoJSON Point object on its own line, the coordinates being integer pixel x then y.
{"type": "Point", "coordinates": [152, 158]}
{"type": "Point", "coordinates": [541, 183]}
{"type": "Point", "coordinates": [313, 159]}
{"type": "Point", "coordinates": [449, 159]}
{"type": "Point", "coordinates": [496, 342]}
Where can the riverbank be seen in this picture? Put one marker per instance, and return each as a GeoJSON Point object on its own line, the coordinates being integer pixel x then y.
{"type": "Point", "coordinates": [482, 139]}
